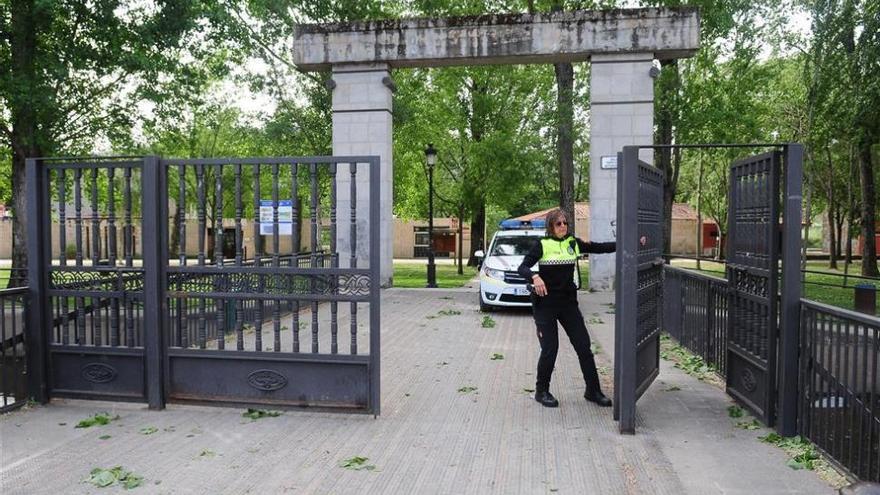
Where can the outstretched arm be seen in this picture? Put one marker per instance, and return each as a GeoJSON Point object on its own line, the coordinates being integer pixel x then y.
{"type": "Point", "coordinates": [597, 247]}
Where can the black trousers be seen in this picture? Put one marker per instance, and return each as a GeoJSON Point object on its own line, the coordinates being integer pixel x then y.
{"type": "Point", "coordinates": [562, 308]}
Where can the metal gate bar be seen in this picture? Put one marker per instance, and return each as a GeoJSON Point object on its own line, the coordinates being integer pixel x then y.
{"type": "Point", "coordinates": [639, 269]}
{"type": "Point", "coordinates": [135, 325]}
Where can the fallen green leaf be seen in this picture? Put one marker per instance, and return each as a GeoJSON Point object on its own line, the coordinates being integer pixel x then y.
{"type": "Point", "coordinates": [496, 356]}
{"type": "Point", "coordinates": [255, 414]}
{"type": "Point", "coordinates": [103, 477]}
{"type": "Point", "coordinates": [771, 437]}
{"type": "Point", "coordinates": [357, 463]}
{"type": "Point", "coordinates": [467, 389]}
{"type": "Point", "coordinates": [99, 419]}
{"type": "Point", "coordinates": [149, 430]}
{"type": "Point", "coordinates": [735, 412]}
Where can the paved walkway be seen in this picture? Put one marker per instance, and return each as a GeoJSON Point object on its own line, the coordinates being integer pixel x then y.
{"type": "Point", "coordinates": [430, 438]}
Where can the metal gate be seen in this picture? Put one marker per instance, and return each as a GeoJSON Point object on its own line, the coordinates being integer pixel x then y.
{"type": "Point", "coordinates": [639, 273]}
{"type": "Point", "coordinates": [753, 276]}
{"type": "Point", "coordinates": [205, 280]}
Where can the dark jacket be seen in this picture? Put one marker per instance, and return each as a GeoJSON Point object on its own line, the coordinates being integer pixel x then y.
{"type": "Point", "coordinates": [559, 276]}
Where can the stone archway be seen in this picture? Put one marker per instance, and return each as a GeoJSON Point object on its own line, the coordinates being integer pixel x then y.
{"type": "Point", "coordinates": [620, 44]}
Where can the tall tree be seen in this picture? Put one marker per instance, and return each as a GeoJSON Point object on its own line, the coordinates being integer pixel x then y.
{"type": "Point", "coordinates": [845, 57]}
{"type": "Point", "coordinates": [72, 71]}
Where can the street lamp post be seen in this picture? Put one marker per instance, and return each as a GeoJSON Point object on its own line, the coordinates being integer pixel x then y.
{"type": "Point", "coordinates": [431, 158]}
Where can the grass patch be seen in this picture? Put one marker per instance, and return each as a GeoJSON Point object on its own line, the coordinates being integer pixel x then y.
{"type": "Point", "coordinates": [488, 322]}
{"type": "Point", "coordinates": [735, 412]}
{"type": "Point", "coordinates": [103, 478]}
{"type": "Point", "coordinates": [99, 419]}
{"type": "Point", "coordinates": [841, 297]}
{"type": "Point", "coordinates": [415, 275]}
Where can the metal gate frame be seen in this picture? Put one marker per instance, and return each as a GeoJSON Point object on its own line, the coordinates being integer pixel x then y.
{"type": "Point", "coordinates": [752, 271]}
{"type": "Point", "coordinates": [785, 371]}
{"type": "Point", "coordinates": [639, 270]}
{"type": "Point", "coordinates": [773, 396]}
{"type": "Point", "coordinates": [92, 368]}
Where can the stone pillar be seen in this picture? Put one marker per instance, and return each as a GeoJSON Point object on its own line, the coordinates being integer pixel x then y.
{"type": "Point", "coordinates": [362, 126]}
{"type": "Point", "coordinates": [621, 113]}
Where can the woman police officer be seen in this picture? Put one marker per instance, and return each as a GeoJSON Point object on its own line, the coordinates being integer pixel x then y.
{"type": "Point", "coordinates": [555, 299]}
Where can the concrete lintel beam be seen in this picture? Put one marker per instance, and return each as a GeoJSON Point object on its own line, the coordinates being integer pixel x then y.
{"type": "Point", "coordinates": [499, 39]}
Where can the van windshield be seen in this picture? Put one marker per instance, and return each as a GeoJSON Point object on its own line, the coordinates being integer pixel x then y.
{"type": "Point", "coordinates": [513, 246]}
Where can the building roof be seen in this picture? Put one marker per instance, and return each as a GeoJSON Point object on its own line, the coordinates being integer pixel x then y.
{"type": "Point", "coordinates": [581, 210]}
{"type": "Point", "coordinates": [680, 211]}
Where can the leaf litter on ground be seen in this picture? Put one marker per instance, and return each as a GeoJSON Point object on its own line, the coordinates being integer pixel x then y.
{"type": "Point", "coordinates": [99, 419]}
{"type": "Point", "coordinates": [255, 414]}
{"type": "Point", "coordinates": [357, 463]}
{"type": "Point", "coordinates": [103, 477]}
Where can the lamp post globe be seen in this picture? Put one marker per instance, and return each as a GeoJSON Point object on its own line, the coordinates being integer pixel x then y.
{"type": "Point", "coordinates": [431, 159]}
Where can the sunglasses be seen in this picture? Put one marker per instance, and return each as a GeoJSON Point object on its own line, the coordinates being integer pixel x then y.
{"type": "Point", "coordinates": [560, 223]}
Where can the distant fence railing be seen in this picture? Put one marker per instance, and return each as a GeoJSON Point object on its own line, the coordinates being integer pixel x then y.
{"type": "Point", "coordinates": [13, 384]}
{"type": "Point", "coordinates": [839, 390]}
{"type": "Point", "coordinates": [695, 314]}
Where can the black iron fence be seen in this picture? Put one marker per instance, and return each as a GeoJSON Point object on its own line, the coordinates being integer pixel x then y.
{"type": "Point", "coordinates": [838, 386]}
{"type": "Point", "coordinates": [695, 314]}
{"type": "Point", "coordinates": [13, 383]}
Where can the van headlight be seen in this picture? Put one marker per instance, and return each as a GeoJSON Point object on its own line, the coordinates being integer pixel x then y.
{"type": "Point", "coordinates": [493, 273]}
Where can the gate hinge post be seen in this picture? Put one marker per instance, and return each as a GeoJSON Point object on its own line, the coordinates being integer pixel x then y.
{"type": "Point", "coordinates": [155, 230]}
{"type": "Point", "coordinates": [789, 310]}
{"type": "Point", "coordinates": [36, 336]}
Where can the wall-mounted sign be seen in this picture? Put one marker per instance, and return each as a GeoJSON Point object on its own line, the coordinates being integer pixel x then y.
{"type": "Point", "coordinates": [608, 162]}
{"type": "Point", "coordinates": [285, 217]}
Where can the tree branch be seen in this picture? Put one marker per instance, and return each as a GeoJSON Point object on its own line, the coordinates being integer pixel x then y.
{"type": "Point", "coordinates": [265, 46]}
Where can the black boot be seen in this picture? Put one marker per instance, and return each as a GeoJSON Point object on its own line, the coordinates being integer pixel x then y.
{"type": "Point", "coordinates": [598, 397]}
{"type": "Point", "coordinates": [546, 399]}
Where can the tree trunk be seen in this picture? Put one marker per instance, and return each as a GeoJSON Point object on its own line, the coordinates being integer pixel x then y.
{"type": "Point", "coordinates": [478, 233]}
{"type": "Point", "coordinates": [699, 253]}
{"type": "Point", "coordinates": [460, 238]}
{"type": "Point", "coordinates": [25, 139]}
{"type": "Point", "coordinates": [832, 240]}
{"type": "Point", "coordinates": [832, 210]}
{"type": "Point", "coordinates": [565, 137]}
{"type": "Point", "coordinates": [840, 216]}
{"type": "Point", "coordinates": [174, 240]}
{"type": "Point", "coordinates": [666, 118]}
{"type": "Point", "coordinates": [808, 217]}
{"type": "Point", "coordinates": [869, 205]}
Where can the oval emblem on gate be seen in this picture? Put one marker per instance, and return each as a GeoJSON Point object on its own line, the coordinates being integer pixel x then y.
{"type": "Point", "coordinates": [748, 380]}
{"type": "Point", "coordinates": [267, 380]}
{"type": "Point", "coordinates": [98, 373]}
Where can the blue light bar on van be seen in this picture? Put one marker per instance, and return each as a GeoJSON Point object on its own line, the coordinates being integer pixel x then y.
{"type": "Point", "coordinates": [514, 224]}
